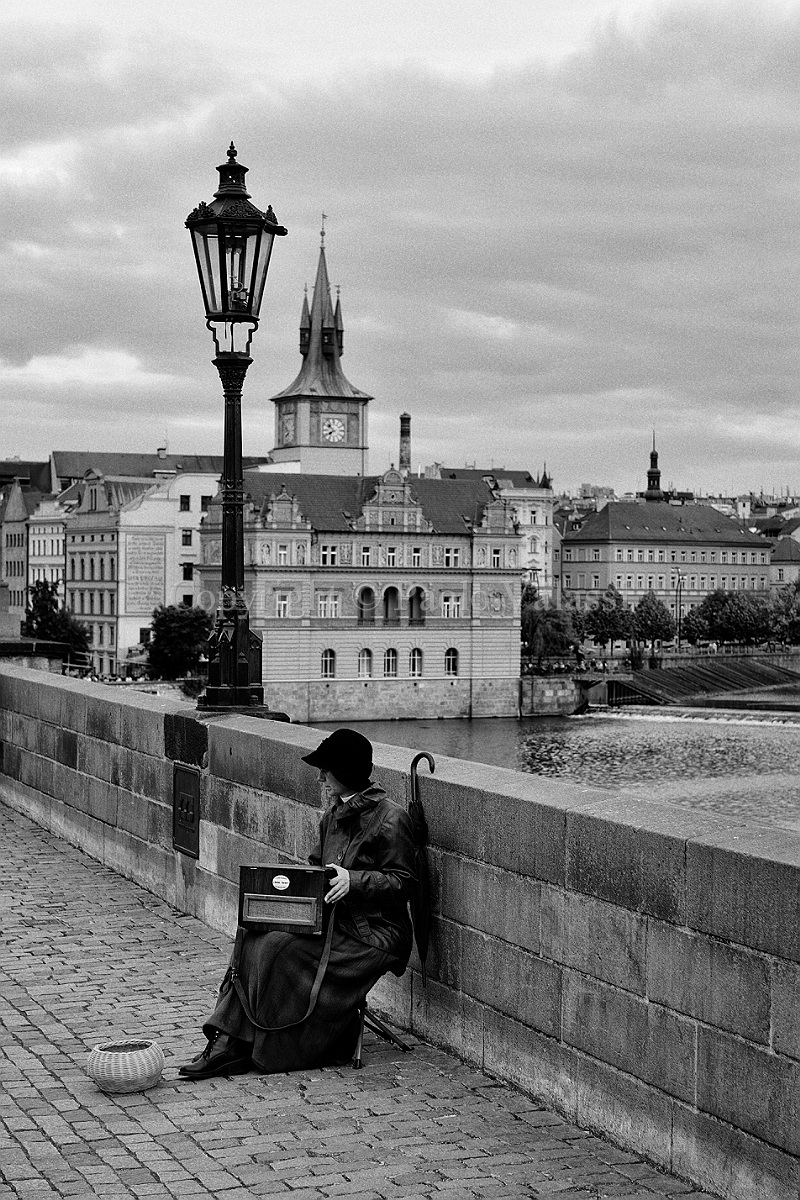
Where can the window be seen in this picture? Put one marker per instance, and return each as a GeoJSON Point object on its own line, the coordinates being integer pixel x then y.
{"type": "Point", "coordinates": [596, 554]}
{"type": "Point", "coordinates": [102, 568]}
{"type": "Point", "coordinates": [327, 604]}
{"type": "Point", "coordinates": [694, 556]}
{"type": "Point", "coordinates": [366, 556]}
{"type": "Point", "coordinates": [112, 603]}
{"type": "Point", "coordinates": [763, 558]}
{"type": "Point", "coordinates": [415, 663]}
{"type": "Point", "coordinates": [186, 503]}
{"type": "Point", "coordinates": [188, 570]}
{"type": "Point", "coordinates": [640, 555]}
{"type": "Point", "coordinates": [328, 664]}
{"type": "Point", "coordinates": [661, 581]}
{"type": "Point", "coordinates": [452, 556]}
{"type": "Point", "coordinates": [281, 604]}
{"type": "Point", "coordinates": [188, 600]}
{"type": "Point", "coordinates": [619, 554]}
{"type": "Point", "coordinates": [640, 581]}
{"type": "Point", "coordinates": [391, 607]}
{"type": "Point", "coordinates": [661, 556]}
{"type": "Point", "coordinates": [390, 664]}
{"type": "Point", "coordinates": [567, 581]}
{"type": "Point", "coordinates": [186, 537]}
{"type": "Point", "coordinates": [567, 554]}
{"type": "Point", "coordinates": [328, 555]}
{"type": "Point", "coordinates": [366, 606]}
{"type": "Point", "coordinates": [451, 661]}
{"type": "Point", "coordinates": [780, 574]}
{"type": "Point", "coordinates": [630, 556]}
{"type": "Point", "coordinates": [496, 558]}
{"type": "Point", "coordinates": [723, 556]}
{"type": "Point", "coordinates": [650, 556]}
{"type": "Point", "coordinates": [205, 503]}
{"type": "Point", "coordinates": [595, 581]}
{"type": "Point", "coordinates": [144, 636]}
{"type": "Point", "coordinates": [619, 583]}
{"type": "Point", "coordinates": [365, 664]}
{"type": "Point", "coordinates": [451, 605]}
{"type": "Point", "coordinates": [416, 556]}
{"type": "Point", "coordinates": [111, 568]}
{"type": "Point", "coordinates": [416, 607]}
{"type": "Point", "coordinates": [391, 556]}
{"type": "Point", "coordinates": [283, 555]}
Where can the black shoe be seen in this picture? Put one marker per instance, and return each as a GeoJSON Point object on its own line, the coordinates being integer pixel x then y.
{"type": "Point", "coordinates": [223, 1055]}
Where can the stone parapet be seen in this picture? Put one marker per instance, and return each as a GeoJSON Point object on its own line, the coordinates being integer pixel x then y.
{"type": "Point", "coordinates": [636, 965]}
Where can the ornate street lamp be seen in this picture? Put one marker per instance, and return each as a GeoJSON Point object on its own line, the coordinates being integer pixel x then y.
{"type": "Point", "coordinates": [232, 242]}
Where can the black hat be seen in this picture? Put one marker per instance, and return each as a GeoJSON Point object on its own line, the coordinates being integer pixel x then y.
{"type": "Point", "coordinates": [347, 755]}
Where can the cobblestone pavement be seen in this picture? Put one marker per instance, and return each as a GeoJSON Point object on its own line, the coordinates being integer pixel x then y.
{"type": "Point", "coordinates": [87, 955]}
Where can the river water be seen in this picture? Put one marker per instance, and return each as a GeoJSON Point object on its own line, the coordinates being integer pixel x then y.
{"type": "Point", "coordinates": [739, 765]}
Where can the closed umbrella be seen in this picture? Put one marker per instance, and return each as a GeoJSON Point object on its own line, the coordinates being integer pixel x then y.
{"type": "Point", "coordinates": [421, 899]}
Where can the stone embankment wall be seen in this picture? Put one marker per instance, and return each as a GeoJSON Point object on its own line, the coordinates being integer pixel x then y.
{"type": "Point", "coordinates": [384, 699]}
{"type": "Point", "coordinates": [636, 965]}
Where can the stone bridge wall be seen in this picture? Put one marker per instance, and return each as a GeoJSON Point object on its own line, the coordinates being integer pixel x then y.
{"type": "Point", "coordinates": [635, 965]}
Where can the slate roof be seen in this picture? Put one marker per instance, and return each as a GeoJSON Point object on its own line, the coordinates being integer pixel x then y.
{"type": "Point", "coordinates": [504, 478]}
{"type": "Point", "coordinates": [656, 521]}
{"type": "Point", "coordinates": [35, 473]}
{"type": "Point", "coordinates": [73, 464]}
{"type": "Point", "coordinates": [786, 550]}
{"type": "Point", "coordinates": [332, 502]}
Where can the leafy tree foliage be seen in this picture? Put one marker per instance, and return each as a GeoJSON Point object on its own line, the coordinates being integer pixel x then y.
{"type": "Point", "coordinates": [546, 630]}
{"type": "Point", "coordinates": [609, 620]}
{"type": "Point", "coordinates": [732, 617]}
{"type": "Point", "coordinates": [45, 619]}
{"type": "Point", "coordinates": [179, 636]}
{"type": "Point", "coordinates": [652, 620]}
{"type": "Point", "coordinates": [786, 615]}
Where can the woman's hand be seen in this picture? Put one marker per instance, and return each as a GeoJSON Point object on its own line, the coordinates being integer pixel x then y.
{"type": "Point", "coordinates": [340, 884]}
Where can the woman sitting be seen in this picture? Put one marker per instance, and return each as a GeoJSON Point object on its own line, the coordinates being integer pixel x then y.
{"type": "Point", "coordinates": [365, 842]}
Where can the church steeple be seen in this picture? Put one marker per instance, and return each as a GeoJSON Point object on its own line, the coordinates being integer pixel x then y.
{"type": "Point", "coordinates": [320, 418]}
{"type": "Point", "coordinates": [654, 491]}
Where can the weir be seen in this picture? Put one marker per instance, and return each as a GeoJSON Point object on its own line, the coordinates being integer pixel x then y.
{"type": "Point", "coordinates": [636, 965]}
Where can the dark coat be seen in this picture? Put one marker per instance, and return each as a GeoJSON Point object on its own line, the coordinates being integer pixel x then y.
{"type": "Point", "coordinates": [371, 837]}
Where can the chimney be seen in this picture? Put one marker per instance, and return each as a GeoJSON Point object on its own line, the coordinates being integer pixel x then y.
{"type": "Point", "coordinates": [162, 451]}
{"type": "Point", "coordinates": [405, 445]}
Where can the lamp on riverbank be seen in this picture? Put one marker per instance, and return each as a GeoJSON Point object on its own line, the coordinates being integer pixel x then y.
{"type": "Point", "coordinates": [679, 591]}
{"type": "Point", "coordinates": [232, 242]}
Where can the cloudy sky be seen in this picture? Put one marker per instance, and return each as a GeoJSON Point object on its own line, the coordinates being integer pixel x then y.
{"type": "Point", "coordinates": [557, 225]}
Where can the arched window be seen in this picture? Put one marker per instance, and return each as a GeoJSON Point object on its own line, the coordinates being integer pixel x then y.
{"type": "Point", "coordinates": [91, 568]}
{"type": "Point", "coordinates": [366, 606]}
{"type": "Point", "coordinates": [365, 664]}
{"type": "Point", "coordinates": [328, 664]}
{"type": "Point", "coordinates": [391, 607]}
{"type": "Point", "coordinates": [416, 607]}
{"type": "Point", "coordinates": [415, 663]}
{"type": "Point", "coordinates": [390, 663]}
{"type": "Point", "coordinates": [83, 568]}
{"type": "Point", "coordinates": [72, 568]}
{"type": "Point", "coordinates": [111, 568]}
{"type": "Point", "coordinates": [451, 661]}
{"type": "Point", "coordinates": [102, 568]}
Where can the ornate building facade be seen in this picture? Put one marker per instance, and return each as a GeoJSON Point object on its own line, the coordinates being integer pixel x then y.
{"type": "Point", "coordinates": [384, 596]}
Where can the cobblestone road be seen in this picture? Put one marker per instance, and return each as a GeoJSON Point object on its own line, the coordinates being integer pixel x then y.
{"type": "Point", "coordinates": [87, 955]}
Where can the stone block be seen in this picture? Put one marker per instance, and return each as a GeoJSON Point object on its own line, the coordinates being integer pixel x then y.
{"type": "Point", "coordinates": [185, 739]}
{"type": "Point", "coordinates": [744, 886]}
{"type": "Point", "coordinates": [159, 824]}
{"type": "Point", "coordinates": [28, 768]}
{"type": "Point", "coordinates": [78, 828]}
{"type": "Point", "coordinates": [217, 905]}
{"type": "Point", "coordinates": [525, 837]}
{"type": "Point", "coordinates": [391, 998]}
{"type": "Point", "coordinates": [151, 777]}
{"type": "Point", "coordinates": [786, 1009]}
{"type": "Point", "coordinates": [615, 1105]}
{"type": "Point", "coordinates": [103, 719]}
{"type": "Point", "coordinates": [101, 800]}
{"type": "Point", "coordinates": [616, 1027]}
{"type": "Point", "coordinates": [444, 961]}
{"type": "Point", "coordinates": [263, 818]}
{"type": "Point", "coordinates": [132, 813]}
{"type": "Point", "coordinates": [306, 835]}
{"type": "Point", "coordinates": [25, 731]}
{"type": "Point", "coordinates": [235, 751]}
{"type": "Point", "coordinates": [141, 724]}
{"type": "Point", "coordinates": [72, 709]}
{"type": "Point", "coordinates": [595, 938]}
{"type": "Point", "coordinates": [728, 1162]}
{"type": "Point", "coordinates": [95, 757]}
{"type": "Point", "coordinates": [447, 1018]}
{"type": "Point", "coordinates": [539, 1065]}
{"type": "Point", "coordinates": [47, 776]}
{"type": "Point", "coordinates": [713, 981]}
{"type": "Point", "coordinates": [491, 900]}
{"type": "Point", "coordinates": [749, 1087]}
{"type": "Point", "coordinates": [631, 853]}
{"type": "Point", "coordinates": [66, 747]}
{"type": "Point", "coordinates": [511, 980]}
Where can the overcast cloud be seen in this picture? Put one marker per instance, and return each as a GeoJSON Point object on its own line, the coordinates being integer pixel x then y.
{"type": "Point", "coordinates": [556, 226]}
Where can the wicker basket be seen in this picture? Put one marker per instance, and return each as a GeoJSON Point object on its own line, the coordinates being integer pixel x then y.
{"type": "Point", "coordinates": [126, 1066]}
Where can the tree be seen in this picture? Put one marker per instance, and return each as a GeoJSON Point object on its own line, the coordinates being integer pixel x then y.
{"type": "Point", "coordinates": [609, 620]}
{"type": "Point", "coordinates": [731, 617]}
{"type": "Point", "coordinates": [44, 619]}
{"type": "Point", "coordinates": [652, 620]}
{"type": "Point", "coordinates": [179, 636]}
{"type": "Point", "coordinates": [786, 615]}
{"type": "Point", "coordinates": [546, 630]}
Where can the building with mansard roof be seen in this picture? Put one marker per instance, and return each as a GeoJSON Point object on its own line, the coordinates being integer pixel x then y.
{"type": "Point", "coordinates": [321, 420]}
{"type": "Point", "coordinates": [379, 596]}
{"type": "Point", "coordinates": [673, 550]}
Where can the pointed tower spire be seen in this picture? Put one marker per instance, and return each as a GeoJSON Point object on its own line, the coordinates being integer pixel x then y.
{"type": "Point", "coordinates": [654, 491]}
{"type": "Point", "coordinates": [339, 323]}
{"type": "Point", "coordinates": [305, 324]}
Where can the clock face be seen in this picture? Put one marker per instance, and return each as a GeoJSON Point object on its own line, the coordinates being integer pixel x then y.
{"type": "Point", "coordinates": [333, 429]}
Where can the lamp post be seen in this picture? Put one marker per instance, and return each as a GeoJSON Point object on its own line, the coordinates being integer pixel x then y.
{"type": "Point", "coordinates": [232, 242]}
{"type": "Point", "coordinates": [679, 591]}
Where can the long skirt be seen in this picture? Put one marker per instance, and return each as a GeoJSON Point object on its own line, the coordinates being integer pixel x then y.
{"type": "Point", "coordinates": [277, 972]}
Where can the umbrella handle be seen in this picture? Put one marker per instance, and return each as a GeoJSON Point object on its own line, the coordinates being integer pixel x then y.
{"type": "Point", "coordinates": [416, 759]}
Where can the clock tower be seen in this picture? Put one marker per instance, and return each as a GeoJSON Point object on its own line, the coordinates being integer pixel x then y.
{"type": "Point", "coordinates": [321, 419]}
